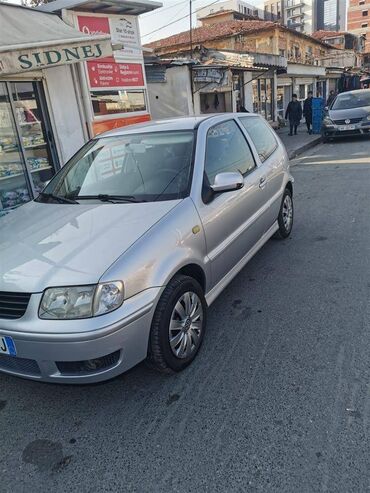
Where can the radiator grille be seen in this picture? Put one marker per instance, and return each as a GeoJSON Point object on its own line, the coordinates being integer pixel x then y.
{"type": "Point", "coordinates": [351, 121]}
{"type": "Point", "coordinates": [13, 305]}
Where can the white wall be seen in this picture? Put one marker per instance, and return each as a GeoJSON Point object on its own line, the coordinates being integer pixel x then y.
{"type": "Point", "coordinates": [171, 98]}
{"type": "Point", "coordinates": [63, 110]}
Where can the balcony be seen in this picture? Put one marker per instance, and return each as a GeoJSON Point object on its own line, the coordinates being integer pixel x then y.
{"type": "Point", "coordinates": [294, 24]}
{"type": "Point", "coordinates": [298, 4]}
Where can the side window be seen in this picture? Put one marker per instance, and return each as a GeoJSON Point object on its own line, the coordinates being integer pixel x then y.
{"type": "Point", "coordinates": [227, 150]}
{"type": "Point", "coordinates": [261, 134]}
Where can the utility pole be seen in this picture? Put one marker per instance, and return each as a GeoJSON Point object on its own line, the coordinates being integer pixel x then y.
{"type": "Point", "coordinates": [191, 28]}
{"type": "Point", "coordinates": [191, 52]}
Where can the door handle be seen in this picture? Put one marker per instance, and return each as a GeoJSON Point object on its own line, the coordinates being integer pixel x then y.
{"type": "Point", "coordinates": [263, 182]}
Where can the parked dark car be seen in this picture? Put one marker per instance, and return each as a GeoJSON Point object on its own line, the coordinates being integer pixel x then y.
{"type": "Point", "coordinates": [348, 115]}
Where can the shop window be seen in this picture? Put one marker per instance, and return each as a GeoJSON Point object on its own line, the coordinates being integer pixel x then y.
{"type": "Point", "coordinates": [227, 150]}
{"type": "Point", "coordinates": [280, 100]}
{"type": "Point", "coordinates": [302, 91]}
{"type": "Point", "coordinates": [117, 101]}
{"type": "Point", "coordinates": [263, 97]}
{"type": "Point", "coordinates": [262, 136]}
{"type": "Point", "coordinates": [27, 152]}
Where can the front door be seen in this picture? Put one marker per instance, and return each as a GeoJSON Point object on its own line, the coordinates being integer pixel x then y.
{"type": "Point", "coordinates": [231, 220]}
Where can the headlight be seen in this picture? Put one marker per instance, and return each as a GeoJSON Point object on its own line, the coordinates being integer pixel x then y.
{"type": "Point", "coordinates": [327, 121]}
{"type": "Point", "coordinates": [81, 301]}
{"type": "Point", "coordinates": [368, 118]}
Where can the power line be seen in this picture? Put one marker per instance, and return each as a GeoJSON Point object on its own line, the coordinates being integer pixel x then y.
{"type": "Point", "coordinates": [180, 19]}
{"type": "Point", "coordinates": [163, 9]}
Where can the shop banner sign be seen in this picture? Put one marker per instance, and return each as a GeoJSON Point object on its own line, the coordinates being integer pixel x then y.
{"type": "Point", "coordinates": [108, 73]}
{"type": "Point", "coordinates": [211, 75]}
{"type": "Point", "coordinates": [18, 61]}
{"type": "Point", "coordinates": [123, 30]}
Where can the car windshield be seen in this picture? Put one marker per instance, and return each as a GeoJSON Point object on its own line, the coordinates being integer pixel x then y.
{"type": "Point", "coordinates": [354, 100]}
{"type": "Point", "coordinates": [127, 168]}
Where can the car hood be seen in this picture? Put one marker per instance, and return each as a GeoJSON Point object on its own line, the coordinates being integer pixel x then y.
{"type": "Point", "coordinates": [43, 245]}
{"type": "Point", "coordinates": [350, 113]}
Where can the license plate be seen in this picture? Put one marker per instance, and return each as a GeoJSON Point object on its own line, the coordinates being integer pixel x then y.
{"type": "Point", "coordinates": [7, 346]}
{"type": "Point", "coordinates": [342, 128]}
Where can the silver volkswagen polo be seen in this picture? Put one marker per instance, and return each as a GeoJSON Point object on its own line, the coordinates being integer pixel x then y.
{"type": "Point", "coordinates": [119, 258]}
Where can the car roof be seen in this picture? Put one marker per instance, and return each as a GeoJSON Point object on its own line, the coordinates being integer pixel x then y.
{"type": "Point", "coordinates": [170, 124]}
{"type": "Point", "coordinates": [356, 91]}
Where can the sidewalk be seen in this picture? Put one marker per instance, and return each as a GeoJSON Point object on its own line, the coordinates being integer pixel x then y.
{"type": "Point", "coordinates": [297, 144]}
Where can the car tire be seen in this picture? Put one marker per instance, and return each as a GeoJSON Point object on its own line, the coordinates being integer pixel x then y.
{"type": "Point", "coordinates": [176, 335]}
{"type": "Point", "coordinates": [286, 215]}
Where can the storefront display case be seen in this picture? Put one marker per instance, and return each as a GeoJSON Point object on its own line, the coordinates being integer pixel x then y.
{"type": "Point", "coordinates": [27, 157]}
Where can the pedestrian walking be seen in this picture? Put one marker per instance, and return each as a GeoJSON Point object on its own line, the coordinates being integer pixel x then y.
{"type": "Point", "coordinates": [294, 114]}
{"type": "Point", "coordinates": [307, 111]}
{"type": "Point", "coordinates": [331, 98]}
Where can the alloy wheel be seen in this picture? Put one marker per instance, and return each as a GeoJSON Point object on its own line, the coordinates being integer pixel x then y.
{"type": "Point", "coordinates": [287, 212]}
{"type": "Point", "coordinates": [186, 325]}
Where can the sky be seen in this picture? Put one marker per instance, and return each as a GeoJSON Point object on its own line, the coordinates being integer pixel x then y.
{"type": "Point", "coordinates": [171, 11]}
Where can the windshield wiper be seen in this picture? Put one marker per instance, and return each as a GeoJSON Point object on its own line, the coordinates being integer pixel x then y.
{"type": "Point", "coordinates": [111, 198]}
{"type": "Point", "coordinates": [57, 198]}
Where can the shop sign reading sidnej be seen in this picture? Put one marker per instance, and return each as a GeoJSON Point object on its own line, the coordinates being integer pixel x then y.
{"type": "Point", "coordinates": [17, 61]}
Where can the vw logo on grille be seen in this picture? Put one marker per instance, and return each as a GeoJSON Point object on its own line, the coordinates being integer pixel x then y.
{"type": "Point", "coordinates": [347, 121]}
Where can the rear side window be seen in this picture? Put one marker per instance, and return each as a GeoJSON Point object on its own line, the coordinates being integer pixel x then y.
{"type": "Point", "coordinates": [227, 150]}
{"type": "Point", "coordinates": [261, 134]}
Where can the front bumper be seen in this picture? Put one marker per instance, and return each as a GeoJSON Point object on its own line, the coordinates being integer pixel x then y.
{"type": "Point", "coordinates": [333, 131]}
{"type": "Point", "coordinates": [116, 342]}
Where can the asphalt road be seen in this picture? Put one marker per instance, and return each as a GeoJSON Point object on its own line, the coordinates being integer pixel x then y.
{"type": "Point", "coordinates": [277, 400]}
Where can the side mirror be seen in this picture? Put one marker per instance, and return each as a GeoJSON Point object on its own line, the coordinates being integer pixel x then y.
{"type": "Point", "coordinates": [326, 108]}
{"type": "Point", "coordinates": [227, 182]}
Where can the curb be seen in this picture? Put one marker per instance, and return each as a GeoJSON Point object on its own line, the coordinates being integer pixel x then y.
{"type": "Point", "coordinates": [296, 152]}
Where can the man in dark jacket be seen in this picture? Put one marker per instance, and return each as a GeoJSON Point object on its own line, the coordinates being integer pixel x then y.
{"type": "Point", "coordinates": [307, 111]}
{"type": "Point", "coordinates": [331, 98]}
{"type": "Point", "coordinates": [294, 114]}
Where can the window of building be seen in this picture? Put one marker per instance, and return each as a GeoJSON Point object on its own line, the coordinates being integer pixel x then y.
{"type": "Point", "coordinates": [262, 136]}
{"type": "Point", "coordinates": [364, 25]}
{"type": "Point", "coordinates": [365, 13]}
{"type": "Point", "coordinates": [227, 151]}
{"type": "Point", "coordinates": [117, 101]}
{"type": "Point", "coordinates": [302, 91]}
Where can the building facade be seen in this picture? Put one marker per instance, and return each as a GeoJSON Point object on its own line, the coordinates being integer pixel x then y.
{"type": "Point", "coordinates": [267, 93]}
{"type": "Point", "coordinates": [358, 20]}
{"type": "Point", "coordinates": [301, 15]}
{"type": "Point", "coordinates": [245, 8]}
{"type": "Point", "coordinates": [331, 15]}
{"type": "Point", "coordinates": [275, 10]}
